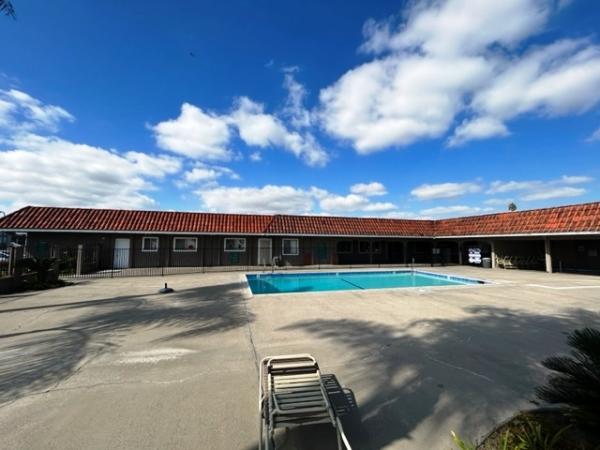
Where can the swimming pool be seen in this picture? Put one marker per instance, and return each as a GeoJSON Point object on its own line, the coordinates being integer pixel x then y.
{"type": "Point", "coordinates": [344, 281]}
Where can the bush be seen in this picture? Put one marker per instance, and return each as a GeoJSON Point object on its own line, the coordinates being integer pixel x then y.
{"type": "Point", "coordinates": [41, 266]}
{"type": "Point", "coordinates": [575, 383]}
{"type": "Point", "coordinates": [535, 430]}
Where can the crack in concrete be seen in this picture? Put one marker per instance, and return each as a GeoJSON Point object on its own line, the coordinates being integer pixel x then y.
{"type": "Point", "coordinates": [250, 334]}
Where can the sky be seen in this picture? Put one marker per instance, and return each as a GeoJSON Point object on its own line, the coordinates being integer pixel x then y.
{"type": "Point", "coordinates": [403, 109]}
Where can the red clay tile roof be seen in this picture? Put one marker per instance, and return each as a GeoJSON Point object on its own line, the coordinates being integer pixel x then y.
{"type": "Point", "coordinates": [565, 219]}
{"type": "Point", "coordinates": [81, 219]}
{"type": "Point", "coordinates": [349, 226]}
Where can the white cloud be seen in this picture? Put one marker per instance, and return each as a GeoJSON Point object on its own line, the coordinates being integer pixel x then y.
{"type": "Point", "coordinates": [46, 170]}
{"type": "Point", "coordinates": [288, 200]}
{"type": "Point", "coordinates": [558, 79]}
{"type": "Point", "coordinates": [195, 134]}
{"type": "Point", "coordinates": [39, 170]}
{"type": "Point", "coordinates": [352, 202]}
{"type": "Point", "coordinates": [368, 189]}
{"type": "Point", "coordinates": [268, 199]}
{"type": "Point", "coordinates": [479, 128]}
{"type": "Point", "coordinates": [398, 100]}
{"type": "Point", "coordinates": [154, 166]}
{"type": "Point", "coordinates": [207, 136]}
{"type": "Point", "coordinates": [595, 136]}
{"type": "Point", "coordinates": [458, 57]}
{"type": "Point", "coordinates": [20, 111]}
{"type": "Point", "coordinates": [456, 210]}
{"type": "Point", "coordinates": [563, 3]}
{"type": "Point", "coordinates": [575, 179]}
{"type": "Point", "coordinates": [444, 190]}
{"type": "Point", "coordinates": [255, 156]}
{"type": "Point", "coordinates": [558, 192]}
{"type": "Point", "coordinates": [6, 111]}
{"type": "Point", "coordinates": [498, 187]}
{"type": "Point", "coordinates": [401, 215]}
{"type": "Point", "coordinates": [204, 173]}
{"type": "Point", "coordinates": [294, 105]}
{"type": "Point", "coordinates": [456, 27]}
{"type": "Point", "coordinates": [257, 128]}
{"type": "Point", "coordinates": [530, 190]}
{"type": "Point", "coordinates": [498, 201]}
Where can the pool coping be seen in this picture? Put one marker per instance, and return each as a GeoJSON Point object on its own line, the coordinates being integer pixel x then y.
{"type": "Point", "coordinates": [474, 282]}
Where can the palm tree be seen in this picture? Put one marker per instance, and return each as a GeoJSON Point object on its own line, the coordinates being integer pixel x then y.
{"type": "Point", "coordinates": [575, 382]}
{"type": "Point", "coordinates": [7, 8]}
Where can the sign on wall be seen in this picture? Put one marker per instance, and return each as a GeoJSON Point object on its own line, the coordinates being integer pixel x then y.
{"type": "Point", "coordinates": [474, 255]}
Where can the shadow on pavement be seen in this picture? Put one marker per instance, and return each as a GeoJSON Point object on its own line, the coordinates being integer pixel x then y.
{"type": "Point", "coordinates": [39, 359]}
{"type": "Point", "coordinates": [323, 437]}
{"type": "Point", "coordinates": [474, 370]}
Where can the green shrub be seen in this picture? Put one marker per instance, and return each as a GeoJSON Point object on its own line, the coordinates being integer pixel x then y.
{"type": "Point", "coordinates": [575, 383]}
{"type": "Point", "coordinates": [41, 267]}
{"type": "Point", "coordinates": [461, 444]}
{"type": "Point", "coordinates": [533, 437]}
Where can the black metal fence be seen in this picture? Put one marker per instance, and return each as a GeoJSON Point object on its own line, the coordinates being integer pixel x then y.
{"type": "Point", "coordinates": [107, 262]}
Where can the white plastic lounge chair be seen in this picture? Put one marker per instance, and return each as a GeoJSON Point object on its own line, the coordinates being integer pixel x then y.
{"type": "Point", "coordinates": [292, 394]}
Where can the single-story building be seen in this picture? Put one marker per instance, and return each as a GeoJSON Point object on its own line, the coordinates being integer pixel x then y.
{"type": "Point", "coordinates": [565, 238]}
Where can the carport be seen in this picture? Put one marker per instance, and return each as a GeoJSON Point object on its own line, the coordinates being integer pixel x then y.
{"type": "Point", "coordinates": [580, 255]}
{"type": "Point", "coordinates": [522, 253]}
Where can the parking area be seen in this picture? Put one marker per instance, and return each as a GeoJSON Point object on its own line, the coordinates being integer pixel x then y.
{"type": "Point", "coordinates": [110, 363]}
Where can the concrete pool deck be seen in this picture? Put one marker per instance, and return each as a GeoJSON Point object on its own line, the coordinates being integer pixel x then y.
{"type": "Point", "coordinates": [110, 363]}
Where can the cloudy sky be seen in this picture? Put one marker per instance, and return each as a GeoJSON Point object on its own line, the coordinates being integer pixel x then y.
{"type": "Point", "coordinates": [393, 109]}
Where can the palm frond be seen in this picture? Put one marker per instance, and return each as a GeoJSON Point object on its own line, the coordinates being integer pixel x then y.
{"type": "Point", "coordinates": [7, 8]}
{"type": "Point", "coordinates": [575, 381]}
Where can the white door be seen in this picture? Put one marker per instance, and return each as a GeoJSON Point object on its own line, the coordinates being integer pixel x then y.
{"type": "Point", "coordinates": [121, 257]}
{"type": "Point", "coordinates": [265, 252]}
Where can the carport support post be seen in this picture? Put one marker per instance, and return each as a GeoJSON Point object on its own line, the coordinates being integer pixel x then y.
{"type": "Point", "coordinates": [548, 252]}
{"type": "Point", "coordinates": [405, 252]}
{"type": "Point", "coordinates": [79, 260]}
{"type": "Point", "coordinates": [493, 254]}
{"type": "Point", "coordinates": [460, 256]}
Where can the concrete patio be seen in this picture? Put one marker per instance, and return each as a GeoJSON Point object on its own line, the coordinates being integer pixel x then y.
{"type": "Point", "coordinates": [109, 363]}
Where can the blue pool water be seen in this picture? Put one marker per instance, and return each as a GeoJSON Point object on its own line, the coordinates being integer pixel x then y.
{"type": "Point", "coordinates": [343, 281]}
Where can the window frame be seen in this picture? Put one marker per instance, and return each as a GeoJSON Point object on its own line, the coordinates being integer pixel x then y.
{"type": "Point", "coordinates": [185, 250]}
{"type": "Point", "coordinates": [283, 246]}
{"type": "Point", "coordinates": [337, 251]}
{"type": "Point", "coordinates": [151, 250]}
{"type": "Point", "coordinates": [379, 249]}
{"type": "Point", "coordinates": [360, 243]}
{"type": "Point", "coordinates": [370, 246]}
{"type": "Point", "coordinates": [235, 250]}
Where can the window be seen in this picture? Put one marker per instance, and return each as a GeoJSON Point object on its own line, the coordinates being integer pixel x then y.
{"type": "Point", "coordinates": [235, 244]}
{"type": "Point", "coordinates": [290, 247]}
{"type": "Point", "coordinates": [369, 247]}
{"type": "Point", "coordinates": [150, 244]}
{"type": "Point", "coordinates": [185, 244]}
{"type": "Point", "coordinates": [344, 247]}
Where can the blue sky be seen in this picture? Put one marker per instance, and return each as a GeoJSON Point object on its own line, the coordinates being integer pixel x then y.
{"type": "Point", "coordinates": [398, 109]}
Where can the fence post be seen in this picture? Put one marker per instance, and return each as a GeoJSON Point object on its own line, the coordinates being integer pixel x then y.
{"type": "Point", "coordinates": [14, 256]}
{"type": "Point", "coordinates": [11, 260]}
{"type": "Point", "coordinates": [79, 260]}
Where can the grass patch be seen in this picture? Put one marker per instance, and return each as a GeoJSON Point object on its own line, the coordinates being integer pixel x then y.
{"type": "Point", "coordinates": [544, 429]}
